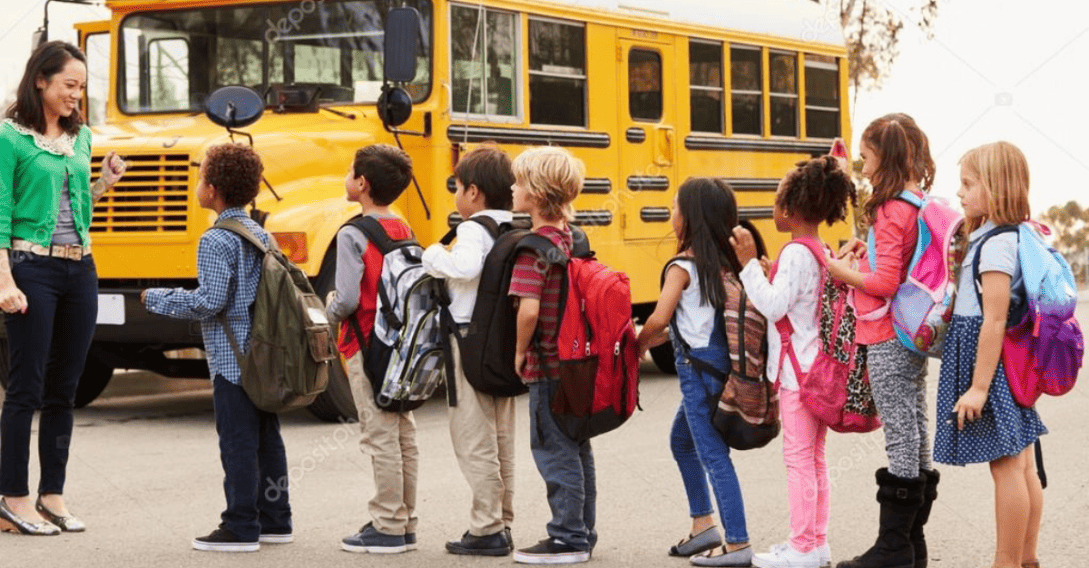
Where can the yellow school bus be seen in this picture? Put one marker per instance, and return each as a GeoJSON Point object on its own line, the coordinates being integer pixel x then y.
{"type": "Point", "coordinates": [646, 93]}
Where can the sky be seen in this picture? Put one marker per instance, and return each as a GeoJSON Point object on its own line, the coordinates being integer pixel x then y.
{"type": "Point", "coordinates": [994, 70]}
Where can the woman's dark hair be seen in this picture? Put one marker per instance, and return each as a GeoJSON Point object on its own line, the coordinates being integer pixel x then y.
{"type": "Point", "coordinates": [709, 212]}
{"type": "Point", "coordinates": [903, 154]}
{"type": "Point", "coordinates": [818, 190]}
{"type": "Point", "coordinates": [46, 61]}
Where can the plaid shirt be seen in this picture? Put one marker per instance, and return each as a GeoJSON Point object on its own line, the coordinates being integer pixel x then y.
{"type": "Point", "coordinates": [533, 278]}
{"type": "Point", "coordinates": [228, 270]}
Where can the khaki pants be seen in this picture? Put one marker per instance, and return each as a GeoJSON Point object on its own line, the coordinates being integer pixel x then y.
{"type": "Point", "coordinates": [482, 431]}
{"type": "Point", "coordinates": [389, 438]}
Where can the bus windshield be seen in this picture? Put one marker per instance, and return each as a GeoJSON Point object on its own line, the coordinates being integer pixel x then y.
{"type": "Point", "coordinates": [332, 50]}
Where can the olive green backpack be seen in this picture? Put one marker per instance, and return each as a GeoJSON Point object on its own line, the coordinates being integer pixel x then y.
{"type": "Point", "coordinates": [292, 346]}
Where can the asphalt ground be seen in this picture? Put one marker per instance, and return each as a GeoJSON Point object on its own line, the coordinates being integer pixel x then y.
{"type": "Point", "coordinates": [145, 476]}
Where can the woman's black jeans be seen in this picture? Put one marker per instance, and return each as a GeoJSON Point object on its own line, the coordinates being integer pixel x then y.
{"type": "Point", "coordinates": [48, 348]}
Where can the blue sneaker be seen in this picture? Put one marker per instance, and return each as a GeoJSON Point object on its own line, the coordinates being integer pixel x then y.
{"type": "Point", "coordinates": [368, 539]}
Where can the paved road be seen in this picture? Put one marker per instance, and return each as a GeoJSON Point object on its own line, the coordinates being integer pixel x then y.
{"type": "Point", "coordinates": [145, 475]}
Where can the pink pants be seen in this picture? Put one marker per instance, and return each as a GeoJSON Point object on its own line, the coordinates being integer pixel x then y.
{"type": "Point", "coordinates": [807, 472]}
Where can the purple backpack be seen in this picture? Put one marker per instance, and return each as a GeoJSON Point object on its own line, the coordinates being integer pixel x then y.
{"type": "Point", "coordinates": [1043, 347]}
{"type": "Point", "coordinates": [837, 387]}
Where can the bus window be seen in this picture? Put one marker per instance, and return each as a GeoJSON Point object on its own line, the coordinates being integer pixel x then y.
{"type": "Point", "coordinates": [169, 61]}
{"type": "Point", "coordinates": [705, 78]}
{"type": "Point", "coordinates": [821, 96]}
{"type": "Point", "coordinates": [484, 61]}
{"type": "Point", "coordinates": [784, 93]}
{"type": "Point", "coordinates": [645, 84]}
{"type": "Point", "coordinates": [746, 90]}
{"type": "Point", "coordinates": [557, 73]}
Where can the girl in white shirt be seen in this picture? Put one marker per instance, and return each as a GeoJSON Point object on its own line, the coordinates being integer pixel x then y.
{"type": "Point", "coordinates": [815, 191]}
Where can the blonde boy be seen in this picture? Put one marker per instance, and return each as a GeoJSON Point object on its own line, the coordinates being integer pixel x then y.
{"type": "Point", "coordinates": [547, 180]}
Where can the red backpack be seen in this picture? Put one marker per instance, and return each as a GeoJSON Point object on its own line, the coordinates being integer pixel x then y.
{"type": "Point", "coordinates": [599, 354]}
{"type": "Point", "coordinates": [837, 387]}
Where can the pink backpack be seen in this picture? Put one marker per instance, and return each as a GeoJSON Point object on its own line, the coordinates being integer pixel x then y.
{"type": "Point", "coordinates": [923, 305]}
{"type": "Point", "coordinates": [837, 387]}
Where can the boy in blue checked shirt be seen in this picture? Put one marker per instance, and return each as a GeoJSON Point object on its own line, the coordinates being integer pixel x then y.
{"type": "Point", "coordinates": [228, 271]}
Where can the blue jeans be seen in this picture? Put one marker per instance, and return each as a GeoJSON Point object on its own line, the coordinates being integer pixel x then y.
{"type": "Point", "coordinates": [254, 464]}
{"type": "Point", "coordinates": [48, 346]}
{"type": "Point", "coordinates": [567, 468]}
{"type": "Point", "coordinates": [699, 449]}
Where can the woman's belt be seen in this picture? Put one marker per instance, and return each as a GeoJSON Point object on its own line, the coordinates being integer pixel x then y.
{"type": "Point", "coordinates": [70, 252]}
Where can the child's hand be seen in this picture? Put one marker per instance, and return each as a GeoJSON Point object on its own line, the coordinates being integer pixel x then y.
{"type": "Point", "coordinates": [519, 362]}
{"type": "Point", "coordinates": [853, 247]}
{"type": "Point", "coordinates": [744, 245]}
{"type": "Point", "coordinates": [969, 406]}
{"type": "Point", "coordinates": [330, 297]}
{"type": "Point", "coordinates": [765, 264]}
{"type": "Point", "coordinates": [838, 267]}
{"type": "Point", "coordinates": [143, 298]}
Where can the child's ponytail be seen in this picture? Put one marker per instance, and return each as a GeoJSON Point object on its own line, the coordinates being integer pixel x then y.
{"type": "Point", "coordinates": [709, 212]}
{"type": "Point", "coordinates": [903, 153]}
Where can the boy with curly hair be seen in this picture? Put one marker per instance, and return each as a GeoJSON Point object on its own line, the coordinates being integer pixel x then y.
{"type": "Point", "coordinates": [228, 270]}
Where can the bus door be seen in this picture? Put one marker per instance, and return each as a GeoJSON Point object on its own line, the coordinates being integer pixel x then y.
{"type": "Point", "coordinates": [647, 79]}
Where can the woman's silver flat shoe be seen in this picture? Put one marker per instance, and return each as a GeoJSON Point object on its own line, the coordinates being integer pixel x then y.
{"type": "Point", "coordinates": [11, 522]}
{"type": "Point", "coordinates": [66, 524]}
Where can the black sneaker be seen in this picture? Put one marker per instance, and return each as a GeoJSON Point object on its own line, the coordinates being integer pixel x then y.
{"type": "Point", "coordinates": [488, 545]}
{"type": "Point", "coordinates": [223, 540]}
{"type": "Point", "coordinates": [551, 551]}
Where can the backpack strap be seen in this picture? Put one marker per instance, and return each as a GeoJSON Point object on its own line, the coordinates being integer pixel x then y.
{"type": "Point", "coordinates": [976, 279]}
{"type": "Point", "coordinates": [489, 224]}
{"type": "Point", "coordinates": [783, 326]}
{"type": "Point", "coordinates": [239, 228]}
{"type": "Point", "coordinates": [376, 234]}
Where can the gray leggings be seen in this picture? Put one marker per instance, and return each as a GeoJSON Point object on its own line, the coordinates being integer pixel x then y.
{"type": "Point", "coordinates": [898, 379]}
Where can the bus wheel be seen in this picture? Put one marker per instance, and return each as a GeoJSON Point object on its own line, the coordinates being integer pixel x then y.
{"type": "Point", "coordinates": [336, 403]}
{"type": "Point", "coordinates": [96, 375]}
{"type": "Point", "coordinates": [663, 358]}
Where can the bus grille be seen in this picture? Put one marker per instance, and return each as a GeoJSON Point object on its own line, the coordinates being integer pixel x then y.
{"type": "Point", "coordinates": [152, 197]}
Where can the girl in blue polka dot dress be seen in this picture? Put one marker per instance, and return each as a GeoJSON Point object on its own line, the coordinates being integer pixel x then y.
{"type": "Point", "coordinates": [978, 420]}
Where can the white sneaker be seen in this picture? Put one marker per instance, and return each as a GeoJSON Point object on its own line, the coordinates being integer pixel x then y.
{"type": "Point", "coordinates": [784, 556]}
{"type": "Point", "coordinates": [826, 555]}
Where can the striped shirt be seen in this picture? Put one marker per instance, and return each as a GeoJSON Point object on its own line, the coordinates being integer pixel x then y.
{"type": "Point", "coordinates": [533, 278]}
{"type": "Point", "coordinates": [228, 271]}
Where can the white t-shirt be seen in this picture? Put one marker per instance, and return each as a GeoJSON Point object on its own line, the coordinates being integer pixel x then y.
{"type": "Point", "coordinates": [462, 264]}
{"type": "Point", "coordinates": [793, 294]}
{"type": "Point", "coordinates": [695, 319]}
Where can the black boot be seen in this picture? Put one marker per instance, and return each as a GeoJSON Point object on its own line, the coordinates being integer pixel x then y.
{"type": "Point", "coordinates": [930, 493]}
{"type": "Point", "coordinates": [900, 499]}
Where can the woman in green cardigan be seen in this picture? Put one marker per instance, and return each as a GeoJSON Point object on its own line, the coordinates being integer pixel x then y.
{"type": "Point", "coordinates": [48, 282]}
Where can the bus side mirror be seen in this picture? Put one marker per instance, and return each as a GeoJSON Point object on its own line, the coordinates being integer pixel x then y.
{"type": "Point", "coordinates": [234, 107]}
{"type": "Point", "coordinates": [401, 44]}
{"type": "Point", "coordinates": [394, 106]}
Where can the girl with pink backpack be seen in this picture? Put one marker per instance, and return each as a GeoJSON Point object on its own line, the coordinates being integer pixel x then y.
{"type": "Point", "coordinates": [896, 159]}
{"type": "Point", "coordinates": [815, 191]}
{"type": "Point", "coordinates": [985, 423]}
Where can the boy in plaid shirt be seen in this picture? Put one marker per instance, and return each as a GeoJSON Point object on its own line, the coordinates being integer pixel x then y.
{"type": "Point", "coordinates": [547, 180]}
{"type": "Point", "coordinates": [228, 270]}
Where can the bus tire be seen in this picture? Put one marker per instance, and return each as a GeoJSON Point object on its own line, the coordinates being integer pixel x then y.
{"type": "Point", "coordinates": [663, 358]}
{"type": "Point", "coordinates": [96, 376]}
{"type": "Point", "coordinates": [336, 403]}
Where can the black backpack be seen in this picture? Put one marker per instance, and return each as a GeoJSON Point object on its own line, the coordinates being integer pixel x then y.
{"type": "Point", "coordinates": [488, 347]}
